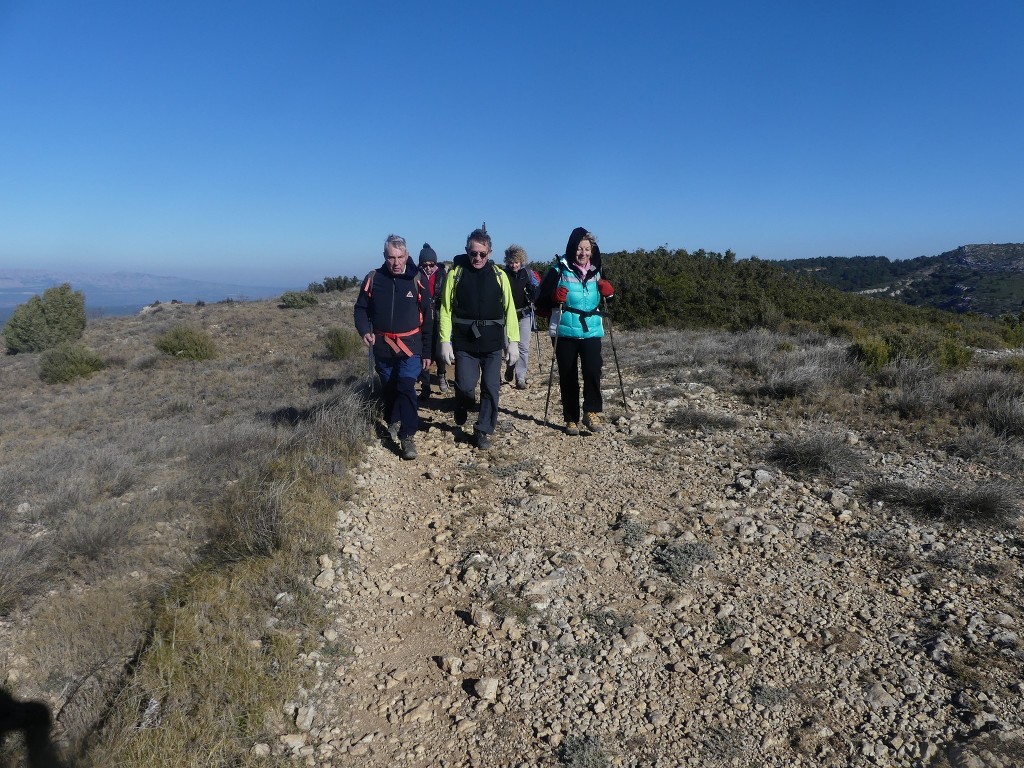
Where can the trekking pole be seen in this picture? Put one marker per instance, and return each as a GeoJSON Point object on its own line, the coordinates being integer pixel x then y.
{"type": "Point", "coordinates": [536, 335]}
{"type": "Point", "coordinates": [551, 373]}
{"type": "Point", "coordinates": [615, 355]}
{"type": "Point", "coordinates": [373, 380]}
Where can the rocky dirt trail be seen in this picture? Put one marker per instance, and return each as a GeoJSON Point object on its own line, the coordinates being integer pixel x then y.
{"type": "Point", "coordinates": [645, 596]}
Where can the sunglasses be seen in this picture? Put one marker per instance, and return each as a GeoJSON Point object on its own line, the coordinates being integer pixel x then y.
{"type": "Point", "coordinates": [478, 254]}
{"type": "Point", "coordinates": [428, 265]}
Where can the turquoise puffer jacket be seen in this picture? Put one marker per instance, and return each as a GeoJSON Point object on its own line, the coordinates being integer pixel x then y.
{"type": "Point", "coordinates": [580, 318]}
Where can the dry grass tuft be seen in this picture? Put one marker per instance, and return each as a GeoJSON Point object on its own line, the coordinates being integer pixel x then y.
{"type": "Point", "coordinates": [23, 566]}
{"type": "Point", "coordinates": [992, 503]}
{"type": "Point", "coordinates": [694, 418]}
{"type": "Point", "coordinates": [818, 452]}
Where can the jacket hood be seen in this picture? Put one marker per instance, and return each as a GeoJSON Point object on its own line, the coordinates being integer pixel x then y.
{"type": "Point", "coordinates": [574, 241]}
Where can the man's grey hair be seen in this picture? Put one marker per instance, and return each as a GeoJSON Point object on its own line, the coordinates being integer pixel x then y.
{"type": "Point", "coordinates": [396, 242]}
{"type": "Point", "coordinates": [481, 236]}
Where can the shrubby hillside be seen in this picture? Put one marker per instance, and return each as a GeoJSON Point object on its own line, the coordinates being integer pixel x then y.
{"type": "Point", "coordinates": [987, 279]}
{"type": "Point", "coordinates": [704, 290]}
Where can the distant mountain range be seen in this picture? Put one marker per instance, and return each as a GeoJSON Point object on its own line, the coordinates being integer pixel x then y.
{"type": "Point", "coordinates": [987, 279]}
{"type": "Point", "coordinates": [120, 293]}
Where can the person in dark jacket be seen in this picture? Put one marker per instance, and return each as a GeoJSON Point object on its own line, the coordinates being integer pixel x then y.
{"type": "Point", "coordinates": [393, 315]}
{"type": "Point", "coordinates": [477, 314]}
{"type": "Point", "coordinates": [573, 288]}
{"type": "Point", "coordinates": [432, 273]}
{"type": "Point", "coordinates": [524, 291]}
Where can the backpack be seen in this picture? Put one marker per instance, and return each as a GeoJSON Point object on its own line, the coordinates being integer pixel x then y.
{"type": "Point", "coordinates": [394, 340]}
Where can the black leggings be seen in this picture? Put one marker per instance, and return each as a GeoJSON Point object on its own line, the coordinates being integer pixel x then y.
{"type": "Point", "coordinates": [588, 353]}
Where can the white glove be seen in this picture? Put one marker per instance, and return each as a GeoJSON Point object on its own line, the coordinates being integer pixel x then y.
{"type": "Point", "coordinates": [512, 353]}
{"type": "Point", "coordinates": [447, 353]}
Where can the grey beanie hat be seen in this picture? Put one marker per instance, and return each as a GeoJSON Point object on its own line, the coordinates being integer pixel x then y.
{"type": "Point", "coordinates": [427, 254]}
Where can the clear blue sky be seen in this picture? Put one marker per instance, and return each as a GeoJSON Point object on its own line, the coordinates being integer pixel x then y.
{"type": "Point", "coordinates": [280, 142]}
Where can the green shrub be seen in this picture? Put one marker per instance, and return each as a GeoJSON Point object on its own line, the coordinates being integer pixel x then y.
{"type": "Point", "coordinates": [873, 352]}
{"type": "Point", "coordinates": [186, 342]}
{"type": "Point", "coordinates": [910, 341]}
{"type": "Point", "coordinates": [44, 322]}
{"type": "Point", "coordinates": [1013, 364]}
{"type": "Point", "coordinates": [343, 343]}
{"type": "Point", "coordinates": [67, 362]}
{"type": "Point", "coordinates": [298, 299]}
{"type": "Point", "coordinates": [954, 355]}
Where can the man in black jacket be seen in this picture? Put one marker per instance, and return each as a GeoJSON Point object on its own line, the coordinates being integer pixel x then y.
{"type": "Point", "coordinates": [393, 315]}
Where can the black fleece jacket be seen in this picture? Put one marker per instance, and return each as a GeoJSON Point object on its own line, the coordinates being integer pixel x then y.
{"type": "Point", "coordinates": [395, 304]}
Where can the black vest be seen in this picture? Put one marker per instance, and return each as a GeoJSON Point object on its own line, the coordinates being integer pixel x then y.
{"type": "Point", "coordinates": [478, 296]}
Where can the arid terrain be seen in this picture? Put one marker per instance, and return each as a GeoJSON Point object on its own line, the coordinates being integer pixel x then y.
{"type": "Point", "coordinates": [657, 595]}
{"type": "Point", "coordinates": [767, 557]}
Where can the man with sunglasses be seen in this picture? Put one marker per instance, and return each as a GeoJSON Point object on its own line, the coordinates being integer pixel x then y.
{"type": "Point", "coordinates": [477, 314]}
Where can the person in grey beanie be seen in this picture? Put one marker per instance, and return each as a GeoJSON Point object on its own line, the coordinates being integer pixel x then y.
{"type": "Point", "coordinates": [433, 275]}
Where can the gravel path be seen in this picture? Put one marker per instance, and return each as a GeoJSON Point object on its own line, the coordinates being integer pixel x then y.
{"type": "Point", "coordinates": [651, 597]}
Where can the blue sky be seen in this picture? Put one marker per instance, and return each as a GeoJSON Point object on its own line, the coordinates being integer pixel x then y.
{"type": "Point", "coordinates": [280, 142]}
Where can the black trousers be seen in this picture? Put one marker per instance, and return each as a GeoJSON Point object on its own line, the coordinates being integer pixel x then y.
{"type": "Point", "coordinates": [573, 355]}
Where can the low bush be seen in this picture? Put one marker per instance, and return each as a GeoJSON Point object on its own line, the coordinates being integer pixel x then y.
{"type": "Point", "coordinates": [693, 418]}
{"type": "Point", "coordinates": [98, 533]}
{"type": "Point", "coordinates": [818, 452]}
{"type": "Point", "coordinates": [583, 752]}
{"type": "Point", "coordinates": [298, 299]}
{"type": "Point", "coordinates": [187, 343]}
{"type": "Point", "coordinates": [677, 561]}
{"type": "Point", "coordinates": [872, 352]}
{"type": "Point", "coordinates": [979, 442]}
{"type": "Point", "coordinates": [975, 387]}
{"type": "Point", "coordinates": [249, 523]}
{"type": "Point", "coordinates": [954, 355]}
{"type": "Point", "coordinates": [44, 322]}
{"type": "Point", "coordinates": [915, 401]}
{"type": "Point", "coordinates": [67, 362]}
{"type": "Point", "coordinates": [1005, 414]}
{"type": "Point", "coordinates": [905, 372]}
{"type": "Point", "coordinates": [992, 503]}
{"type": "Point", "coordinates": [22, 565]}
{"type": "Point", "coordinates": [343, 343]}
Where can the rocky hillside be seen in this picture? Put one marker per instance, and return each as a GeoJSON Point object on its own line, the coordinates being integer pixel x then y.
{"type": "Point", "coordinates": [659, 595]}
{"type": "Point", "coordinates": [983, 278]}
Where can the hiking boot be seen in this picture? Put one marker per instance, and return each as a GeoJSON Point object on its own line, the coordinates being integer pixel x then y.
{"type": "Point", "coordinates": [483, 441]}
{"type": "Point", "coordinates": [461, 412]}
{"type": "Point", "coordinates": [571, 428]}
{"type": "Point", "coordinates": [592, 422]}
{"type": "Point", "coordinates": [442, 384]}
{"type": "Point", "coordinates": [393, 430]}
{"type": "Point", "coordinates": [425, 392]}
{"type": "Point", "coordinates": [521, 384]}
{"type": "Point", "coordinates": [408, 449]}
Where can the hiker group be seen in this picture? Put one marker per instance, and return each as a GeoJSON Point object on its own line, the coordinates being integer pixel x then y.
{"type": "Point", "coordinates": [478, 318]}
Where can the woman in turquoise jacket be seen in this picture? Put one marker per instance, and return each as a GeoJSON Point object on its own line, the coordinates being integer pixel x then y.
{"type": "Point", "coordinates": [574, 287]}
